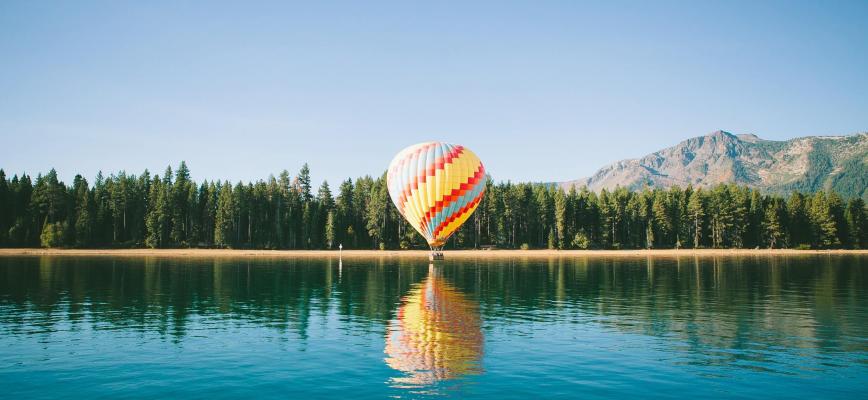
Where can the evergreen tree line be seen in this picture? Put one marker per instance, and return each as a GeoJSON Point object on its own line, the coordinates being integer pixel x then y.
{"type": "Point", "coordinates": [283, 212]}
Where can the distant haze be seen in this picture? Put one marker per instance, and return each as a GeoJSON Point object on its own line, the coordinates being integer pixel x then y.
{"type": "Point", "coordinates": [540, 91]}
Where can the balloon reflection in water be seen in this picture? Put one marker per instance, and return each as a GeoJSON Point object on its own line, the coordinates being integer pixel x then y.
{"type": "Point", "coordinates": [437, 334]}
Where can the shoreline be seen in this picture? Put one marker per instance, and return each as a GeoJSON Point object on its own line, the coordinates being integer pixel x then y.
{"type": "Point", "coordinates": [237, 253]}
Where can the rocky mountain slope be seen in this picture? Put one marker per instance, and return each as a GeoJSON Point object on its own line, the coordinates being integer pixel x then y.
{"type": "Point", "coordinates": [805, 164]}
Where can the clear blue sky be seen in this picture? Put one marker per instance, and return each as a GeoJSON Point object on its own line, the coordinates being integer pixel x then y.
{"type": "Point", "coordinates": [540, 91]}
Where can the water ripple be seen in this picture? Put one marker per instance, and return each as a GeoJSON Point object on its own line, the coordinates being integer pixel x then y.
{"type": "Point", "coordinates": [712, 328]}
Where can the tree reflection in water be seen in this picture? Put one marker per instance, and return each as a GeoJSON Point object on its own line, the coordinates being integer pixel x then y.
{"type": "Point", "coordinates": [436, 335]}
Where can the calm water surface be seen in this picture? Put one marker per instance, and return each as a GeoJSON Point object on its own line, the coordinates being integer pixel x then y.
{"type": "Point", "coordinates": [737, 327]}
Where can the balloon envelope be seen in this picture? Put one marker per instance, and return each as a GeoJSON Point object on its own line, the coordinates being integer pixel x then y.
{"type": "Point", "coordinates": [436, 187]}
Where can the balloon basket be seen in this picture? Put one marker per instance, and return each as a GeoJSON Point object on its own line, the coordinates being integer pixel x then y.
{"type": "Point", "coordinates": [435, 256]}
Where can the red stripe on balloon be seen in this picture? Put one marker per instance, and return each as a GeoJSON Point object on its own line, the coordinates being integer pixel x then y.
{"type": "Point", "coordinates": [400, 165]}
{"type": "Point", "coordinates": [454, 195]}
{"type": "Point", "coordinates": [414, 154]}
{"type": "Point", "coordinates": [461, 212]}
{"type": "Point", "coordinates": [438, 164]}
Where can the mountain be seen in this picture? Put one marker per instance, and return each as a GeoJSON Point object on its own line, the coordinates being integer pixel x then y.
{"type": "Point", "coordinates": [806, 164]}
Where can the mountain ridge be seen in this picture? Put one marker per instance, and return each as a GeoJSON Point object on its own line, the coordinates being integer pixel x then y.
{"type": "Point", "coordinates": [808, 163]}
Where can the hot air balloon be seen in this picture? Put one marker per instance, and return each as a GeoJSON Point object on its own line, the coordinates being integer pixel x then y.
{"type": "Point", "coordinates": [436, 187]}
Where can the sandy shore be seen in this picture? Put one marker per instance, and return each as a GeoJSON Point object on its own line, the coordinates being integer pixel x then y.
{"type": "Point", "coordinates": [214, 253]}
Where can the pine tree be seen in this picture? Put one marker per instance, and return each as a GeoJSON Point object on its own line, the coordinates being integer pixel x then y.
{"type": "Point", "coordinates": [361, 196]}
{"type": "Point", "coordinates": [756, 215]}
{"type": "Point", "coordinates": [83, 220]}
{"type": "Point", "coordinates": [837, 209]}
{"type": "Point", "coordinates": [377, 212]}
{"type": "Point", "coordinates": [637, 225]}
{"type": "Point", "coordinates": [662, 220]}
{"type": "Point", "coordinates": [283, 210]}
{"type": "Point", "coordinates": [225, 216]}
{"type": "Point", "coordinates": [304, 183]}
{"type": "Point", "coordinates": [192, 215]}
{"type": "Point", "coordinates": [722, 215]}
{"type": "Point", "coordinates": [773, 224]}
{"type": "Point", "coordinates": [324, 205]}
{"type": "Point", "coordinates": [696, 213]}
{"type": "Point", "coordinates": [739, 216]}
{"type": "Point", "coordinates": [824, 226]}
{"type": "Point", "coordinates": [207, 206]}
{"type": "Point", "coordinates": [119, 199]}
{"type": "Point", "coordinates": [241, 211]}
{"type": "Point", "coordinates": [678, 210]}
{"type": "Point", "coordinates": [857, 223]}
{"type": "Point", "coordinates": [25, 227]}
{"type": "Point", "coordinates": [609, 215]}
{"type": "Point", "coordinates": [308, 218]}
{"type": "Point", "coordinates": [179, 205]}
{"type": "Point", "coordinates": [139, 208]}
{"type": "Point", "coordinates": [345, 213]}
{"type": "Point", "coordinates": [294, 211]}
{"type": "Point", "coordinates": [560, 227]}
{"type": "Point", "coordinates": [330, 229]}
{"type": "Point", "coordinates": [157, 218]}
{"type": "Point", "coordinates": [48, 198]}
{"type": "Point", "coordinates": [644, 219]}
{"type": "Point", "coordinates": [800, 230]}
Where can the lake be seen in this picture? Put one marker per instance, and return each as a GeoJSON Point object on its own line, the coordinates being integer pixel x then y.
{"type": "Point", "coordinates": [669, 327]}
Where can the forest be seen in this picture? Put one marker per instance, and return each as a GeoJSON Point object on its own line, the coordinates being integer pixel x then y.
{"type": "Point", "coordinates": [284, 212]}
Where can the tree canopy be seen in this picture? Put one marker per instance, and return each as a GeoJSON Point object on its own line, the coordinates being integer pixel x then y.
{"type": "Point", "coordinates": [172, 210]}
